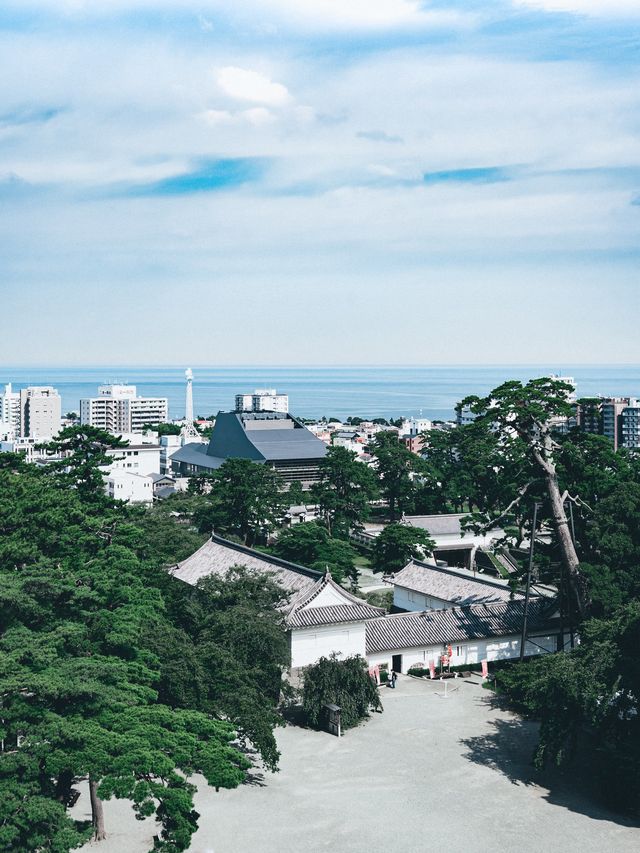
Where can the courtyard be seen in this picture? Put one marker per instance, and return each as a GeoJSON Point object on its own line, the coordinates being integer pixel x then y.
{"type": "Point", "coordinates": [429, 774]}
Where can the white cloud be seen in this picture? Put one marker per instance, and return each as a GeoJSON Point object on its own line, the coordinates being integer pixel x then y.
{"type": "Point", "coordinates": [348, 14]}
{"type": "Point", "coordinates": [259, 116]}
{"type": "Point", "coordinates": [600, 8]}
{"type": "Point", "coordinates": [247, 85]}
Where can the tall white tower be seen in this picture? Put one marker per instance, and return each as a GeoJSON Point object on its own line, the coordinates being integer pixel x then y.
{"type": "Point", "coordinates": [188, 430]}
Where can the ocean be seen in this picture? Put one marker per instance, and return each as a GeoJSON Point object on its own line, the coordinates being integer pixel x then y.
{"type": "Point", "coordinates": [385, 391]}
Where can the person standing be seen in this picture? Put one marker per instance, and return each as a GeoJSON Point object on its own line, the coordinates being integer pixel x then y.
{"type": "Point", "coordinates": [393, 679]}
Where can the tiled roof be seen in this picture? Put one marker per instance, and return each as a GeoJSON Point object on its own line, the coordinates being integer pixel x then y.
{"type": "Point", "coordinates": [331, 614]}
{"type": "Point", "coordinates": [218, 555]}
{"type": "Point", "coordinates": [438, 627]}
{"type": "Point", "coordinates": [437, 525]}
{"type": "Point", "coordinates": [460, 586]}
{"type": "Point", "coordinates": [303, 612]}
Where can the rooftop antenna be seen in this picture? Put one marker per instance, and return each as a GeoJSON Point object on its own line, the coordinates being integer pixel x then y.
{"type": "Point", "coordinates": [189, 431]}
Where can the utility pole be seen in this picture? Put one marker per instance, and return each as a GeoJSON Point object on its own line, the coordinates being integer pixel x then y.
{"type": "Point", "coordinates": [523, 639]}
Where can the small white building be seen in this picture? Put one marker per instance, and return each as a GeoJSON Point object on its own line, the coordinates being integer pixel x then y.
{"type": "Point", "coordinates": [475, 633]}
{"type": "Point", "coordinates": [321, 616]}
{"type": "Point", "coordinates": [452, 543]}
{"type": "Point", "coordinates": [123, 485]}
{"type": "Point", "coordinates": [141, 459]}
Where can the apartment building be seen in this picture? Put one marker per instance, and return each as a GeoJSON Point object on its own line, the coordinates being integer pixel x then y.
{"type": "Point", "coordinates": [40, 412]}
{"type": "Point", "coordinates": [118, 409]}
{"type": "Point", "coordinates": [10, 410]}
{"type": "Point", "coordinates": [630, 425]}
{"type": "Point", "coordinates": [262, 400]}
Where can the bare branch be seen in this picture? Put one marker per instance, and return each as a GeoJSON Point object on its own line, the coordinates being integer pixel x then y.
{"type": "Point", "coordinates": [492, 523]}
{"type": "Point", "coordinates": [576, 500]}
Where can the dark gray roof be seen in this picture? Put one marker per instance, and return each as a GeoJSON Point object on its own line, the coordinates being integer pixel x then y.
{"type": "Point", "coordinates": [439, 627]}
{"type": "Point", "coordinates": [157, 477]}
{"type": "Point", "coordinates": [333, 613]}
{"type": "Point", "coordinates": [165, 492]}
{"type": "Point", "coordinates": [196, 454]}
{"type": "Point", "coordinates": [460, 586]}
{"type": "Point", "coordinates": [263, 437]}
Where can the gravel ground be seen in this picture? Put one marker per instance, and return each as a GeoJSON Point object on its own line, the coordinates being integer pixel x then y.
{"type": "Point", "coordinates": [429, 774]}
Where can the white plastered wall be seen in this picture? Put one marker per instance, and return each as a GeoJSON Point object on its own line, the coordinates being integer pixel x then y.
{"type": "Point", "coordinates": [308, 645]}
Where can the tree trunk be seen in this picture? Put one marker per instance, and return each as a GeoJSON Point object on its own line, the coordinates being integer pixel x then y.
{"type": "Point", "coordinates": [567, 548]}
{"type": "Point", "coordinates": [97, 812]}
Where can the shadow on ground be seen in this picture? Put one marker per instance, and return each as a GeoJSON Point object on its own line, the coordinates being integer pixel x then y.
{"type": "Point", "coordinates": [509, 749]}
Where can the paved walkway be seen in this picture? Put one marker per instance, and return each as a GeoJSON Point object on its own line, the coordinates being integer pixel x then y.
{"type": "Point", "coordinates": [429, 774]}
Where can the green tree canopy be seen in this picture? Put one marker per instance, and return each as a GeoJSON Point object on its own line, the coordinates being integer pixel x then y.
{"type": "Point", "coordinates": [397, 544]}
{"type": "Point", "coordinates": [243, 499]}
{"type": "Point", "coordinates": [523, 417]}
{"type": "Point", "coordinates": [395, 466]}
{"type": "Point", "coordinates": [344, 491]}
{"type": "Point", "coordinates": [310, 544]}
{"type": "Point", "coordinates": [346, 683]}
{"type": "Point", "coordinates": [83, 450]}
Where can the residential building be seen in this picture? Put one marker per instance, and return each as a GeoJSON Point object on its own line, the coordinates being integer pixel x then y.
{"type": "Point", "coordinates": [10, 410]}
{"type": "Point", "coordinates": [40, 412]}
{"type": "Point", "coordinates": [122, 485]}
{"type": "Point", "coordinates": [612, 409]}
{"type": "Point", "coordinates": [630, 425]}
{"type": "Point", "coordinates": [118, 409]}
{"type": "Point", "coordinates": [589, 414]}
{"type": "Point", "coordinates": [414, 426]}
{"type": "Point", "coordinates": [268, 438]}
{"type": "Point", "coordinates": [464, 416]}
{"type": "Point", "coordinates": [141, 459]}
{"type": "Point", "coordinates": [349, 439]}
{"type": "Point", "coordinates": [262, 400]}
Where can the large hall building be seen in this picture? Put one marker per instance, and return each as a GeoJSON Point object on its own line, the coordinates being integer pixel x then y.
{"type": "Point", "coordinates": [276, 439]}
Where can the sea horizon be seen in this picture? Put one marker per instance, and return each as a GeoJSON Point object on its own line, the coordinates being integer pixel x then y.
{"type": "Point", "coordinates": [384, 390]}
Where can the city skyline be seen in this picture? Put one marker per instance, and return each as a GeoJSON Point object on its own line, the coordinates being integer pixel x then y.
{"type": "Point", "coordinates": [381, 182]}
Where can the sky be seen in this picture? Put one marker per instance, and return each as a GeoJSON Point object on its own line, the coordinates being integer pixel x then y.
{"type": "Point", "coordinates": [319, 181]}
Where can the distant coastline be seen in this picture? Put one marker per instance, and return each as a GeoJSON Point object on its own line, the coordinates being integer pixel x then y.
{"type": "Point", "coordinates": [314, 391]}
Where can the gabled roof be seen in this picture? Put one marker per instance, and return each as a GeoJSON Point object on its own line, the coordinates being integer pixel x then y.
{"type": "Point", "coordinates": [460, 586]}
{"type": "Point", "coordinates": [439, 627]}
{"type": "Point", "coordinates": [314, 599]}
{"type": "Point", "coordinates": [218, 555]}
{"type": "Point", "coordinates": [308, 610]}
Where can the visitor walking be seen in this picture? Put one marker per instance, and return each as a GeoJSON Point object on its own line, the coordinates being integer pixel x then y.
{"type": "Point", "coordinates": [393, 679]}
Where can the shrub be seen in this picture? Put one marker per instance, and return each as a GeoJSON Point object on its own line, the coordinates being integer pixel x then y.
{"type": "Point", "coordinates": [346, 683]}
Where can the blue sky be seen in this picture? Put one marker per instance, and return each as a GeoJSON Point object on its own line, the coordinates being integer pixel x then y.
{"type": "Point", "coordinates": [316, 181]}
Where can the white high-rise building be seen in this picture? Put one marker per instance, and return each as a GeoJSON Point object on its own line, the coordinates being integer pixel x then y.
{"type": "Point", "coordinates": [118, 409]}
{"type": "Point", "coordinates": [40, 412]}
{"type": "Point", "coordinates": [10, 410]}
{"type": "Point", "coordinates": [262, 400]}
